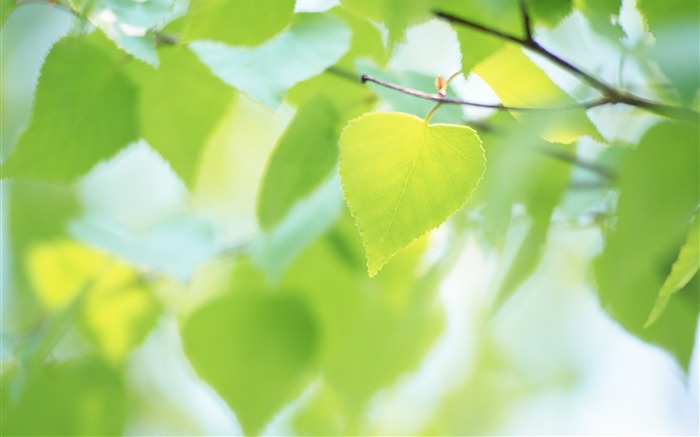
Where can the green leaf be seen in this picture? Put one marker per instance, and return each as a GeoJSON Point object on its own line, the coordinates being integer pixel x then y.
{"type": "Point", "coordinates": [275, 249]}
{"type": "Point", "coordinates": [82, 397]}
{"type": "Point", "coordinates": [534, 89]}
{"type": "Point", "coordinates": [501, 15]}
{"type": "Point", "coordinates": [6, 7]}
{"type": "Point", "coordinates": [255, 349]}
{"type": "Point", "coordinates": [549, 12]}
{"type": "Point", "coordinates": [84, 112]}
{"type": "Point", "coordinates": [180, 104]}
{"type": "Point", "coordinates": [603, 17]}
{"type": "Point", "coordinates": [402, 178]}
{"type": "Point", "coordinates": [397, 15]}
{"type": "Point", "coordinates": [659, 191]}
{"type": "Point", "coordinates": [374, 330]}
{"type": "Point", "coordinates": [683, 270]}
{"type": "Point", "coordinates": [304, 156]}
{"type": "Point", "coordinates": [313, 43]}
{"type": "Point", "coordinates": [676, 29]}
{"type": "Point", "coordinates": [240, 22]}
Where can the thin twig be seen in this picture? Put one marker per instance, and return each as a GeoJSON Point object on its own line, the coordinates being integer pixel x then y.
{"type": "Point", "coordinates": [450, 101]}
{"type": "Point", "coordinates": [527, 26]}
{"type": "Point", "coordinates": [611, 94]}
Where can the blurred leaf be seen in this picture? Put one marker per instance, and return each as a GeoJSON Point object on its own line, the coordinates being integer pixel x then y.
{"type": "Point", "coordinates": [511, 148]}
{"type": "Point", "coordinates": [118, 309]}
{"type": "Point", "coordinates": [180, 104]}
{"type": "Point", "coordinates": [255, 348]}
{"type": "Point", "coordinates": [374, 330]}
{"type": "Point", "coordinates": [275, 249]}
{"type": "Point", "coordinates": [240, 22]}
{"type": "Point", "coordinates": [683, 270]}
{"type": "Point", "coordinates": [402, 178]}
{"type": "Point", "coordinates": [176, 246]}
{"type": "Point", "coordinates": [397, 15]}
{"type": "Point", "coordinates": [549, 12]}
{"type": "Point", "coordinates": [322, 414]}
{"type": "Point", "coordinates": [534, 89]}
{"type": "Point", "coordinates": [6, 7]}
{"type": "Point", "coordinates": [303, 157]}
{"type": "Point", "coordinates": [366, 41]}
{"type": "Point", "coordinates": [129, 23]}
{"type": "Point", "coordinates": [82, 397]}
{"type": "Point", "coordinates": [676, 29]}
{"type": "Point", "coordinates": [659, 191]}
{"type": "Point", "coordinates": [476, 46]}
{"type": "Point", "coordinates": [401, 102]}
{"type": "Point", "coordinates": [603, 17]}
{"type": "Point", "coordinates": [84, 112]}
{"type": "Point", "coordinates": [313, 43]}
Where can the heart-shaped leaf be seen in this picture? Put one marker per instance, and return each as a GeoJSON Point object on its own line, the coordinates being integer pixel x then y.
{"type": "Point", "coordinates": [402, 177]}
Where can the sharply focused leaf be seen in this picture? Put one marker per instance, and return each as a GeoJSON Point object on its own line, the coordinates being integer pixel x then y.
{"type": "Point", "coordinates": [304, 156]}
{"type": "Point", "coordinates": [180, 103]}
{"type": "Point", "coordinates": [255, 348]}
{"type": "Point", "coordinates": [659, 191]}
{"type": "Point", "coordinates": [84, 397]}
{"type": "Point", "coordinates": [240, 22]}
{"type": "Point", "coordinates": [84, 112]}
{"type": "Point", "coordinates": [683, 270]}
{"type": "Point", "coordinates": [534, 89]}
{"type": "Point", "coordinates": [313, 43]}
{"type": "Point", "coordinates": [118, 309]}
{"type": "Point", "coordinates": [402, 178]}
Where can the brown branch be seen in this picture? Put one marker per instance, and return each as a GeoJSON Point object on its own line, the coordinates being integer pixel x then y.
{"type": "Point", "coordinates": [611, 95]}
{"type": "Point", "coordinates": [450, 101]}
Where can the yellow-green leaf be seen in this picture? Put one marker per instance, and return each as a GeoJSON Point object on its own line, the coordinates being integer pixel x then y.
{"type": "Point", "coordinates": [519, 82]}
{"type": "Point", "coordinates": [402, 177]}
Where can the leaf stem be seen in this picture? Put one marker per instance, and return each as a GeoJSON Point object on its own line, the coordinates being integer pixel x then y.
{"type": "Point", "coordinates": [611, 95]}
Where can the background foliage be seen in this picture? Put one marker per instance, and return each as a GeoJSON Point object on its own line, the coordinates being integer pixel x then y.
{"type": "Point", "coordinates": [212, 226]}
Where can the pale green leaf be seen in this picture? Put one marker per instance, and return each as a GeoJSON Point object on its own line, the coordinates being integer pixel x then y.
{"type": "Point", "coordinates": [683, 270]}
{"type": "Point", "coordinates": [85, 111]}
{"type": "Point", "coordinates": [659, 191]}
{"type": "Point", "coordinates": [401, 178]}
{"type": "Point", "coordinates": [533, 89]}
{"type": "Point", "coordinates": [129, 23]}
{"type": "Point", "coordinates": [240, 22]}
{"type": "Point", "coordinates": [180, 104]}
{"type": "Point", "coordinates": [313, 43]}
{"type": "Point", "coordinates": [303, 157]}
{"type": "Point", "coordinates": [254, 348]}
